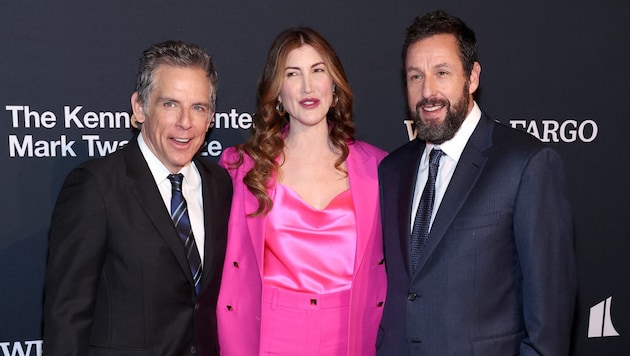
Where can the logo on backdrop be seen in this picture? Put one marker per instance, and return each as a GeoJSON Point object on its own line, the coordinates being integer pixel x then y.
{"type": "Point", "coordinates": [599, 320]}
{"type": "Point", "coordinates": [21, 348]}
{"type": "Point", "coordinates": [559, 131]}
{"type": "Point", "coordinates": [83, 127]}
{"type": "Point", "coordinates": [567, 131]}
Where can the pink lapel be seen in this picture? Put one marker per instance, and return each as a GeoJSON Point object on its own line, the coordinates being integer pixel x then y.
{"type": "Point", "coordinates": [363, 176]}
{"type": "Point", "coordinates": [256, 226]}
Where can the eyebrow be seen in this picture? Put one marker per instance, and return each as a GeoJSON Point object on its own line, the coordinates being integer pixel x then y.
{"type": "Point", "coordinates": [166, 98]}
{"type": "Point", "coordinates": [439, 65]}
{"type": "Point", "coordinates": [314, 65]}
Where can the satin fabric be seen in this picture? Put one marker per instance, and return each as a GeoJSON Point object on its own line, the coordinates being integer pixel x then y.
{"type": "Point", "coordinates": [240, 303]}
{"type": "Point", "coordinates": [308, 249]}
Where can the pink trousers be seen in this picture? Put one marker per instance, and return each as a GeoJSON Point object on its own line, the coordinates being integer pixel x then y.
{"type": "Point", "coordinates": [304, 324]}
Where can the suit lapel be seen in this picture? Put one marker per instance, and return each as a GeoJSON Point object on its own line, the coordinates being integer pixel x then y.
{"type": "Point", "coordinates": [408, 176]}
{"type": "Point", "coordinates": [362, 180]}
{"type": "Point", "coordinates": [255, 225]}
{"type": "Point", "coordinates": [209, 251]}
{"type": "Point", "coordinates": [145, 191]}
{"type": "Point", "coordinates": [468, 170]}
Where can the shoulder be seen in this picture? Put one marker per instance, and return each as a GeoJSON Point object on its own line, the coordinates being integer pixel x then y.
{"type": "Point", "coordinates": [503, 132]}
{"type": "Point", "coordinates": [108, 166]}
{"type": "Point", "coordinates": [208, 168]}
{"type": "Point", "coordinates": [511, 141]}
{"type": "Point", "coordinates": [236, 161]}
{"type": "Point", "coordinates": [404, 153]}
{"type": "Point", "coordinates": [117, 163]}
{"type": "Point", "coordinates": [94, 181]}
{"type": "Point", "coordinates": [366, 150]}
{"type": "Point", "coordinates": [515, 149]}
{"type": "Point", "coordinates": [229, 155]}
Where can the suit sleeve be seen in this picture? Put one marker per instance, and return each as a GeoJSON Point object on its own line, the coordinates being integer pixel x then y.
{"type": "Point", "coordinates": [543, 230]}
{"type": "Point", "coordinates": [77, 245]}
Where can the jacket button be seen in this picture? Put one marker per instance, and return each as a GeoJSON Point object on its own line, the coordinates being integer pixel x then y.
{"type": "Point", "coordinates": [193, 350]}
{"type": "Point", "coordinates": [196, 306]}
{"type": "Point", "coordinates": [411, 296]}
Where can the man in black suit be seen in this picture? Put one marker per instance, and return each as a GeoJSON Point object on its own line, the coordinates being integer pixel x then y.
{"type": "Point", "coordinates": [490, 269]}
{"type": "Point", "coordinates": [120, 278]}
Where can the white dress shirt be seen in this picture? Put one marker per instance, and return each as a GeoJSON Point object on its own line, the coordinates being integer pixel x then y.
{"type": "Point", "coordinates": [191, 189]}
{"type": "Point", "coordinates": [452, 149]}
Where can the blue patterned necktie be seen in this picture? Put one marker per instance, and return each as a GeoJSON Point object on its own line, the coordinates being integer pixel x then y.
{"type": "Point", "coordinates": [420, 231]}
{"type": "Point", "coordinates": [179, 214]}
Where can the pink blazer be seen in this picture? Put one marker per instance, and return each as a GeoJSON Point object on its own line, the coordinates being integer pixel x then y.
{"type": "Point", "coordinates": [239, 303]}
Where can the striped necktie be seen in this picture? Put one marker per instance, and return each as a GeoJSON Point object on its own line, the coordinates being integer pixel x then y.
{"type": "Point", "coordinates": [179, 214]}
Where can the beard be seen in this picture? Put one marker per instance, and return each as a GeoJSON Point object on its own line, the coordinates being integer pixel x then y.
{"type": "Point", "coordinates": [438, 133]}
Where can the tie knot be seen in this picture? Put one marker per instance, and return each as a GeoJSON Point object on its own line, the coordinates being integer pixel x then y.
{"type": "Point", "coordinates": [435, 155]}
{"type": "Point", "coordinates": [176, 181]}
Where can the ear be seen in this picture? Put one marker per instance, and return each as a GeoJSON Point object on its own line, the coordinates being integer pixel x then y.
{"type": "Point", "coordinates": [474, 78]}
{"type": "Point", "coordinates": [138, 108]}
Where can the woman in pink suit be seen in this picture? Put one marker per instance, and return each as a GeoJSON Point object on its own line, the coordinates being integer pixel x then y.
{"type": "Point", "coordinates": [304, 271]}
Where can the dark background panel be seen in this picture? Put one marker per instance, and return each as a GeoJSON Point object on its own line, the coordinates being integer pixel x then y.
{"type": "Point", "coordinates": [556, 69]}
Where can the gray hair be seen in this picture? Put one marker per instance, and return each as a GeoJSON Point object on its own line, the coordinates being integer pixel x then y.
{"type": "Point", "coordinates": [177, 54]}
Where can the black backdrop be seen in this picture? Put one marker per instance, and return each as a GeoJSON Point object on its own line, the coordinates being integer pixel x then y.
{"type": "Point", "coordinates": [557, 69]}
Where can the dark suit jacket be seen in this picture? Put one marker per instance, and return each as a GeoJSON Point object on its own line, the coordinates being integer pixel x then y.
{"type": "Point", "coordinates": [118, 282]}
{"type": "Point", "coordinates": [497, 276]}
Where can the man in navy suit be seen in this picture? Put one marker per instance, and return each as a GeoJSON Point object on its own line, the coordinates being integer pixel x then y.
{"type": "Point", "coordinates": [496, 274]}
{"type": "Point", "coordinates": [119, 278]}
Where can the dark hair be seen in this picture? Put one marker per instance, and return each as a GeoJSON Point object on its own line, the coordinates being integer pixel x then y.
{"type": "Point", "coordinates": [267, 141]}
{"type": "Point", "coordinates": [439, 22]}
{"type": "Point", "coordinates": [178, 54]}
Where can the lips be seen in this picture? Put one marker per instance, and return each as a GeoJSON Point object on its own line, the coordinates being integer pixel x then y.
{"type": "Point", "coordinates": [181, 140]}
{"type": "Point", "coordinates": [431, 105]}
{"type": "Point", "coordinates": [432, 108]}
{"type": "Point", "coordinates": [309, 102]}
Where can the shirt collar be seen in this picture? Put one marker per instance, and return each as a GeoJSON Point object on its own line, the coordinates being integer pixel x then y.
{"type": "Point", "coordinates": [455, 146]}
{"type": "Point", "coordinates": [160, 172]}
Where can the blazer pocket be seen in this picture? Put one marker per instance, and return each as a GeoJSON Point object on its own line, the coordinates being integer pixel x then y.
{"type": "Point", "coordinates": [498, 345]}
{"type": "Point", "coordinates": [476, 222]}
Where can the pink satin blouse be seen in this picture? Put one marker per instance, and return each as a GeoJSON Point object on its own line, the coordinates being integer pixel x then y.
{"type": "Point", "coordinates": [308, 249]}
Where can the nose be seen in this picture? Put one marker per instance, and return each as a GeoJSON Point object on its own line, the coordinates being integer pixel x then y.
{"type": "Point", "coordinates": [429, 87]}
{"type": "Point", "coordinates": [185, 119]}
{"type": "Point", "coordinates": [307, 83]}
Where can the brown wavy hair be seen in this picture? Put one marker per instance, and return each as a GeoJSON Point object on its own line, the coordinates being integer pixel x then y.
{"type": "Point", "coordinates": [266, 144]}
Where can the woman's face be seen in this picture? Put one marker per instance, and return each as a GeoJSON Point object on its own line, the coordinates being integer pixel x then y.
{"type": "Point", "coordinates": [307, 88]}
